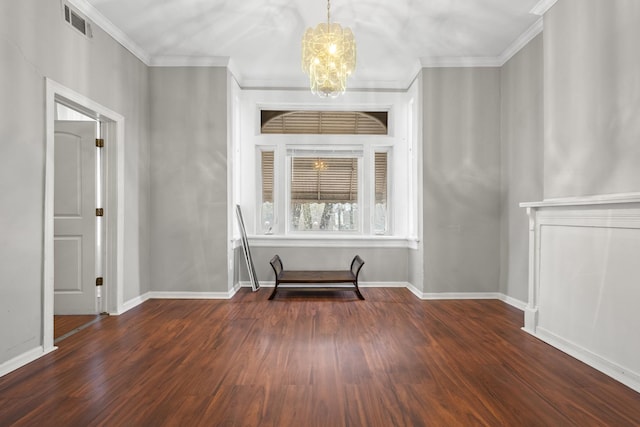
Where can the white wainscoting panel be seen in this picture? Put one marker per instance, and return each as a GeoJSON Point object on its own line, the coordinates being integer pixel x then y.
{"type": "Point", "coordinates": [584, 281]}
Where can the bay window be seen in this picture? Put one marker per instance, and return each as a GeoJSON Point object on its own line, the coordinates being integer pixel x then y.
{"type": "Point", "coordinates": [324, 176]}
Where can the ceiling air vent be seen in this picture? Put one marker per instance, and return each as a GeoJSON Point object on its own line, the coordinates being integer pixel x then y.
{"type": "Point", "coordinates": [76, 21]}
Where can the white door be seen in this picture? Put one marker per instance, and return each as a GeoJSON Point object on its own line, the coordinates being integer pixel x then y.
{"type": "Point", "coordinates": [75, 218]}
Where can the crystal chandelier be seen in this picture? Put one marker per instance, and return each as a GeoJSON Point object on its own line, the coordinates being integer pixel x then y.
{"type": "Point", "coordinates": [329, 57]}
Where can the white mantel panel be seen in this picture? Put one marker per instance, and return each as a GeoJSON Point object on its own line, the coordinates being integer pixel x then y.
{"type": "Point", "coordinates": [584, 286]}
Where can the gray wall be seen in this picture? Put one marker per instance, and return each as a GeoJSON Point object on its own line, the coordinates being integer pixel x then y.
{"type": "Point", "coordinates": [461, 179]}
{"type": "Point", "coordinates": [592, 98]}
{"type": "Point", "coordinates": [189, 179]}
{"type": "Point", "coordinates": [522, 129]}
{"type": "Point", "coordinates": [36, 43]}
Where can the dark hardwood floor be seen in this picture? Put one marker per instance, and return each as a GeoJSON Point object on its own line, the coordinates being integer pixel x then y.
{"type": "Point", "coordinates": [311, 359]}
{"type": "Point", "coordinates": [64, 325]}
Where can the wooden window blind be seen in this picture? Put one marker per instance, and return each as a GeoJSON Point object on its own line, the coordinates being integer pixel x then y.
{"type": "Point", "coordinates": [381, 177]}
{"type": "Point", "coordinates": [324, 122]}
{"type": "Point", "coordinates": [267, 176]}
{"type": "Point", "coordinates": [329, 179]}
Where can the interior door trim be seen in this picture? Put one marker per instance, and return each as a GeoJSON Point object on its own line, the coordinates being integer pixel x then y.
{"type": "Point", "coordinates": [114, 201]}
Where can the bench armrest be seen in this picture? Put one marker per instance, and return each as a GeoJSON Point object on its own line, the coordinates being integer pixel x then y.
{"type": "Point", "coordinates": [356, 265]}
{"type": "Point", "coordinates": [276, 264]}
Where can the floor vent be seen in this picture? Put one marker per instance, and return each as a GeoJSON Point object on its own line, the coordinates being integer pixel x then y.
{"type": "Point", "coordinates": [76, 21]}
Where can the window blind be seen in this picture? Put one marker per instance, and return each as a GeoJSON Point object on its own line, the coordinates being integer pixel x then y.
{"type": "Point", "coordinates": [381, 177]}
{"type": "Point", "coordinates": [324, 122]}
{"type": "Point", "coordinates": [267, 176]}
{"type": "Point", "coordinates": [324, 179]}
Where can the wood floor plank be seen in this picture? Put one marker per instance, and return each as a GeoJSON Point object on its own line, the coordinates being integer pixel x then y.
{"type": "Point", "coordinates": [312, 359]}
{"type": "Point", "coordinates": [63, 325]}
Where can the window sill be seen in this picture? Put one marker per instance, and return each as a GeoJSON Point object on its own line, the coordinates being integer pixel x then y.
{"type": "Point", "coordinates": [333, 241]}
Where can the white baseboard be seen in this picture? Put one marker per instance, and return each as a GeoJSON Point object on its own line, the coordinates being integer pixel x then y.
{"type": "Point", "coordinates": [263, 284]}
{"type": "Point", "coordinates": [520, 305]}
{"type": "Point", "coordinates": [23, 359]}
{"type": "Point", "coordinates": [134, 302]}
{"type": "Point", "coordinates": [619, 373]}
{"type": "Point", "coordinates": [192, 295]}
{"type": "Point", "coordinates": [417, 292]}
{"type": "Point", "coordinates": [384, 284]}
{"type": "Point", "coordinates": [236, 288]}
{"type": "Point", "coordinates": [460, 295]}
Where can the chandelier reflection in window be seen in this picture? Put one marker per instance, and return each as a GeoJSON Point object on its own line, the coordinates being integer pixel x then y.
{"type": "Point", "coordinates": [319, 165]}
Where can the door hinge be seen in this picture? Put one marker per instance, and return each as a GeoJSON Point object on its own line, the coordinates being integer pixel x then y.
{"type": "Point", "coordinates": [98, 281]}
{"type": "Point", "coordinates": [99, 142]}
{"type": "Point", "coordinates": [99, 212]}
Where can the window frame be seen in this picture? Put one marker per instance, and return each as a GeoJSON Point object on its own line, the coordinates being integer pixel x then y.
{"type": "Point", "coordinates": [260, 226]}
{"type": "Point", "coordinates": [323, 151]}
{"type": "Point", "coordinates": [405, 172]}
{"type": "Point", "coordinates": [388, 230]}
{"type": "Point", "coordinates": [363, 150]}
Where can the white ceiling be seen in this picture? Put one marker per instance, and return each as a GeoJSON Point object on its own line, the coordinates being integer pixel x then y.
{"type": "Point", "coordinates": [261, 38]}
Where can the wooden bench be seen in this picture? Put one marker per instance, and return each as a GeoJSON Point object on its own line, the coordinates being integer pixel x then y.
{"type": "Point", "coordinates": [317, 276]}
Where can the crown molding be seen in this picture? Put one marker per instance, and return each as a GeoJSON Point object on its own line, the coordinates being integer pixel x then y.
{"type": "Point", "coordinates": [413, 74]}
{"type": "Point", "coordinates": [108, 27]}
{"type": "Point", "coordinates": [460, 62]}
{"type": "Point", "coordinates": [234, 70]}
{"type": "Point", "coordinates": [189, 61]}
{"type": "Point", "coordinates": [522, 41]}
{"type": "Point", "coordinates": [542, 7]}
{"type": "Point", "coordinates": [487, 61]}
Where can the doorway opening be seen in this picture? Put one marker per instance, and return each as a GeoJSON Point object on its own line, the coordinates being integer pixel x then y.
{"type": "Point", "coordinates": [77, 205]}
{"type": "Point", "coordinates": [63, 246]}
{"type": "Point", "coordinates": [77, 240]}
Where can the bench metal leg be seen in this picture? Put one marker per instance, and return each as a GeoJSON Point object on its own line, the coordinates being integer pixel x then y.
{"type": "Point", "coordinates": [275, 289]}
{"type": "Point", "coordinates": [358, 290]}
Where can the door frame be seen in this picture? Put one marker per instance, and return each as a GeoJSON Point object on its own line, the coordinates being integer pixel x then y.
{"type": "Point", "coordinates": [113, 133]}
